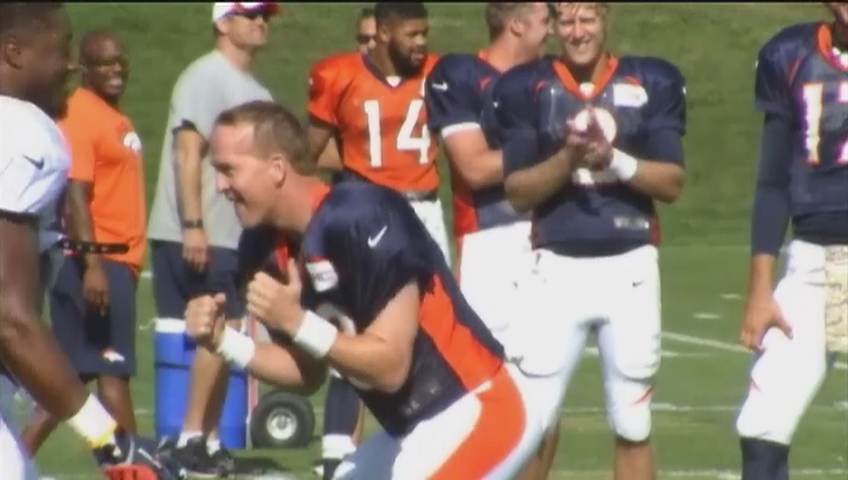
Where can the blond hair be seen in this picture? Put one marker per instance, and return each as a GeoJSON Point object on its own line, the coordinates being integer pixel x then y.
{"type": "Point", "coordinates": [275, 130]}
{"type": "Point", "coordinates": [601, 8]}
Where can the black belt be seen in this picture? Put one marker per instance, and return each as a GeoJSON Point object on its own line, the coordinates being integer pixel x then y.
{"type": "Point", "coordinates": [418, 196]}
{"type": "Point", "coordinates": [76, 246]}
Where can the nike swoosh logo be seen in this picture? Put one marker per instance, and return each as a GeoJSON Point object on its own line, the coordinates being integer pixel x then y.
{"type": "Point", "coordinates": [440, 86]}
{"type": "Point", "coordinates": [373, 241]}
{"type": "Point", "coordinates": [39, 163]}
{"type": "Point", "coordinates": [640, 282]}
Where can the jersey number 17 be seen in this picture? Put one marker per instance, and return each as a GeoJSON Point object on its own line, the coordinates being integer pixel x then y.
{"type": "Point", "coordinates": [814, 105]}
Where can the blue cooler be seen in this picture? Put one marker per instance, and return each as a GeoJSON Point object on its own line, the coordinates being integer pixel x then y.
{"type": "Point", "coordinates": [174, 356]}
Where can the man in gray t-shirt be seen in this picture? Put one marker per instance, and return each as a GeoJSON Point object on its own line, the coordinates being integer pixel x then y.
{"type": "Point", "coordinates": [193, 228]}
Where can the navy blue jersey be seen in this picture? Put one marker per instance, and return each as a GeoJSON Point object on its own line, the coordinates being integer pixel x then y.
{"type": "Point", "coordinates": [800, 79]}
{"type": "Point", "coordinates": [458, 96]}
{"type": "Point", "coordinates": [362, 246]}
{"type": "Point", "coordinates": [639, 102]}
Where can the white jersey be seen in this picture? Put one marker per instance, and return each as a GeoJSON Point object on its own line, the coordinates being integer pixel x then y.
{"type": "Point", "coordinates": [34, 163]}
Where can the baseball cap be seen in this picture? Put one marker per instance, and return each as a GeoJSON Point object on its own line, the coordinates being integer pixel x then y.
{"type": "Point", "coordinates": [222, 9]}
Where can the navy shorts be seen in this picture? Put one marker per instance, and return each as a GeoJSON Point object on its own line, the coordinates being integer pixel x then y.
{"type": "Point", "coordinates": [96, 344]}
{"type": "Point", "coordinates": [174, 283]}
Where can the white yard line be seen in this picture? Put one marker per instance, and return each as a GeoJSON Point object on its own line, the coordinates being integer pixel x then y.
{"type": "Point", "coordinates": [655, 406]}
{"type": "Point", "coordinates": [705, 473]}
{"type": "Point", "coordinates": [146, 274]}
{"type": "Point", "coordinates": [719, 345]}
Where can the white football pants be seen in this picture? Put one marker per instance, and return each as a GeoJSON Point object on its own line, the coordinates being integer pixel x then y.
{"type": "Point", "coordinates": [787, 373]}
{"type": "Point", "coordinates": [618, 299]}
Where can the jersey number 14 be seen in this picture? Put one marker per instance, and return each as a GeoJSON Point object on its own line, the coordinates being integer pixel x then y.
{"type": "Point", "coordinates": [813, 101]}
{"type": "Point", "coordinates": [405, 141]}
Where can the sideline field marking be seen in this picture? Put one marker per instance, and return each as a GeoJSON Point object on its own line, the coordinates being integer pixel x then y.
{"type": "Point", "coordinates": [718, 345]}
{"type": "Point", "coordinates": [655, 406]}
{"type": "Point", "coordinates": [702, 473]}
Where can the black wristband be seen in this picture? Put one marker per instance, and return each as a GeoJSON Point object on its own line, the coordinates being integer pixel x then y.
{"type": "Point", "coordinates": [189, 224]}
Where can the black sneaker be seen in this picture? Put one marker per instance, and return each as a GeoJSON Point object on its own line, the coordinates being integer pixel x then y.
{"type": "Point", "coordinates": [195, 458]}
{"type": "Point", "coordinates": [225, 461]}
{"type": "Point", "coordinates": [330, 465]}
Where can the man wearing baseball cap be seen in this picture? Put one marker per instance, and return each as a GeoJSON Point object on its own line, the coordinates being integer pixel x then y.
{"type": "Point", "coordinates": [193, 230]}
{"type": "Point", "coordinates": [221, 10]}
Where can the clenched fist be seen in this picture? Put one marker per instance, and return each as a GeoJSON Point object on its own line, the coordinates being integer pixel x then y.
{"type": "Point", "coordinates": [205, 320]}
{"type": "Point", "coordinates": [276, 305]}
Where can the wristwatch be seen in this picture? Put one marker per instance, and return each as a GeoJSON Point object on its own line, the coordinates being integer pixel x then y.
{"type": "Point", "coordinates": [189, 224]}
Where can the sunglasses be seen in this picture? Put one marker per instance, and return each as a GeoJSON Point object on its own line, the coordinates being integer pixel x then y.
{"type": "Point", "coordinates": [363, 38]}
{"type": "Point", "coordinates": [108, 64]}
{"type": "Point", "coordinates": [253, 14]}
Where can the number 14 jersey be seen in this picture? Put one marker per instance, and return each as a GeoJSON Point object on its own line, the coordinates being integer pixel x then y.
{"type": "Point", "coordinates": [381, 122]}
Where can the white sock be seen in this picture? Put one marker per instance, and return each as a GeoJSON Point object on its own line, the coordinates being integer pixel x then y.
{"type": "Point", "coordinates": [213, 445]}
{"type": "Point", "coordinates": [186, 436]}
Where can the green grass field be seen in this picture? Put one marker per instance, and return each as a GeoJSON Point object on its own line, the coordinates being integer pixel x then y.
{"type": "Point", "coordinates": [704, 257]}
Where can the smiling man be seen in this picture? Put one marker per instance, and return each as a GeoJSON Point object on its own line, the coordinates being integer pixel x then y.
{"type": "Point", "coordinates": [358, 256]}
{"type": "Point", "coordinates": [590, 142]}
{"type": "Point", "coordinates": [193, 229]}
{"type": "Point", "coordinates": [92, 303]}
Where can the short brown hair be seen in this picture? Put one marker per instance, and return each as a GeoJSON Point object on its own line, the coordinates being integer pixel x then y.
{"type": "Point", "coordinates": [499, 14]}
{"type": "Point", "coordinates": [364, 14]}
{"type": "Point", "coordinates": [275, 130]}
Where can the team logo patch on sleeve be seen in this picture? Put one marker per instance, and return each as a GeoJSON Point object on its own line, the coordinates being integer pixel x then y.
{"type": "Point", "coordinates": [628, 95]}
{"type": "Point", "coordinates": [323, 275]}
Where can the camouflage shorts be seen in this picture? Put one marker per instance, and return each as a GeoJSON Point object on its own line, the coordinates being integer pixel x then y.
{"type": "Point", "coordinates": [836, 308]}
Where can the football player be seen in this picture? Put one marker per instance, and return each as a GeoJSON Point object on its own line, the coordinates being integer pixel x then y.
{"type": "Point", "coordinates": [372, 104]}
{"type": "Point", "coordinates": [486, 228]}
{"type": "Point", "coordinates": [35, 62]}
{"type": "Point", "coordinates": [422, 361]}
{"type": "Point", "coordinates": [590, 141]}
{"type": "Point", "coordinates": [801, 87]}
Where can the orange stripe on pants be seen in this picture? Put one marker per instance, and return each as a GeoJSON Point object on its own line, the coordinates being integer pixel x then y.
{"type": "Point", "coordinates": [497, 432]}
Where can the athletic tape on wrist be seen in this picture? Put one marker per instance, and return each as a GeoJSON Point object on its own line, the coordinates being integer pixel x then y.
{"type": "Point", "coordinates": [315, 335]}
{"type": "Point", "coordinates": [623, 165]}
{"type": "Point", "coordinates": [236, 349]}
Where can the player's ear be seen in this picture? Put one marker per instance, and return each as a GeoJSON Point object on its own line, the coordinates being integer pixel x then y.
{"type": "Point", "coordinates": [223, 26]}
{"type": "Point", "coordinates": [384, 32]}
{"type": "Point", "coordinates": [516, 25]}
{"type": "Point", "coordinates": [11, 51]}
{"type": "Point", "coordinates": [278, 168]}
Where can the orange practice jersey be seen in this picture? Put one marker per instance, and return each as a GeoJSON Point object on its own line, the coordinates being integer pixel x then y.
{"type": "Point", "coordinates": [382, 129]}
{"type": "Point", "coordinates": [106, 151]}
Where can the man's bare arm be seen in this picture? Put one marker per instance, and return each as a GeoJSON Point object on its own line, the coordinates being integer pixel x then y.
{"type": "Point", "coordinates": [473, 160]}
{"type": "Point", "coordinates": [287, 367]}
{"type": "Point", "coordinates": [381, 356]}
{"type": "Point", "coordinates": [528, 188]}
{"type": "Point", "coordinates": [190, 148]}
{"type": "Point", "coordinates": [27, 347]}
{"type": "Point", "coordinates": [331, 158]}
{"type": "Point", "coordinates": [323, 146]}
{"type": "Point", "coordinates": [662, 181]}
{"type": "Point", "coordinates": [95, 280]}
{"type": "Point", "coordinates": [81, 225]}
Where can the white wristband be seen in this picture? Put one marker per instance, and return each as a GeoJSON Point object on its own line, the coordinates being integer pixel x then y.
{"type": "Point", "coordinates": [315, 335]}
{"type": "Point", "coordinates": [236, 349]}
{"type": "Point", "coordinates": [623, 165]}
{"type": "Point", "coordinates": [93, 423]}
